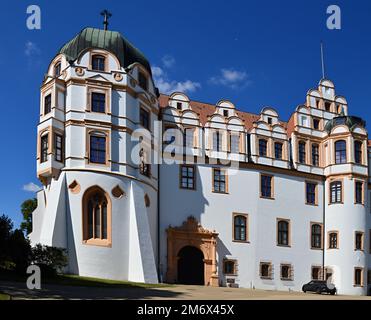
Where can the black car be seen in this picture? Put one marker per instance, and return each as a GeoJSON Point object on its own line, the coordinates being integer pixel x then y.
{"type": "Point", "coordinates": [319, 286]}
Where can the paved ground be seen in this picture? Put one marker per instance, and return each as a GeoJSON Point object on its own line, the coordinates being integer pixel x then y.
{"type": "Point", "coordinates": [18, 290]}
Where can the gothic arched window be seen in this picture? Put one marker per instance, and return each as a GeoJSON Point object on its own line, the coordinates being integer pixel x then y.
{"type": "Point", "coordinates": [96, 217]}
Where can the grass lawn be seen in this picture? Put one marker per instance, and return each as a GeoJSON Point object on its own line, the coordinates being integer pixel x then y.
{"type": "Point", "coordinates": [73, 280]}
{"type": "Point", "coordinates": [4, 296]}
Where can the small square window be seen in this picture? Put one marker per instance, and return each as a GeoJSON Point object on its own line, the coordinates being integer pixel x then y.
{"type": "Point", "coordinates": [179, 105]}
{"type": "Point", "coordinates": [266, 270]}
{"type": "Point", "coordinates": [269, 120]}
{"type": "Point", "coordinates": [226, 113]}
{"type": "Point", "coordinates": [286, 272]}
{"type": "Point", "coordinates": [229, 267]}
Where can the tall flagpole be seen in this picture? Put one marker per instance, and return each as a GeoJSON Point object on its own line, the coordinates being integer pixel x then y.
{"type": "Point", "coordinates": [322, 61]}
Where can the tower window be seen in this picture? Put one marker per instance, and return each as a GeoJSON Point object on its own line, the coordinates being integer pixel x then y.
{"type": "Point", "coordinates": [328, 106]}
{"type": "Point", "coordinates": [315, 155]}
{"type": "Point", "coordinates": [278, 150]}
{"type": "Point", "coordinates": [358, 243]}
{"type": "Point", "coordinates": [333, 240]}
{"type": "Point", "coordinates": [311, 193]}
{"type": "Point", "coordinates": [340, 151]}
{"type": "Point", "coordinates": [226, 113]}
{"type": "Point", "coordinates": [283, 233]}
{"type": "Point", "coordinates": [142, 80]}
{"type": "Point", "coordinates": [219, 180]}
{"type": "Point", "coordinates": [44, 148]}
{"type": "Point", "coordinates": [358, 152]}
{"type": "Point", "coordinates": [48, 104]}
{"type": "Point", "coordinates": [97, 149]}
{"type": "Point", "coordinates": [239, 228]}
{"type": "Point", "coordinates": [316, 123]}
{"type": "Point", "coordinates": [359, 192]}
{"type": "Point", "coordinates": [358, 277]}
{"type": "Point", "coordinates": [316, 236]}
{"type": "Point", "coordinates": [270, 121]}
{"type": "Point", "coordinates": [98, 102]}
{"type": "Point", "coordinates": [266, 186]}
{"type": "Point", "coordinates": [336, 192]}
{"type": "Point", "coordinates": [57, 69]}
{"type": "Point", "coordinates": [96, 217]}
{"type": "Point", "coordinates": [59, 147]}
{"type": "Point", "coordinates": [144, 118]}
{"type": "Point", "coordinates": [263, 147]}
{"type": "Point", "coordinates": [98, 63]}
{"type": "Point", "coordinates": [187, 177]}
{"type": "Point", "coordinates": [179, 105]}
{"type": "Point", "coordinates": [302, 153]}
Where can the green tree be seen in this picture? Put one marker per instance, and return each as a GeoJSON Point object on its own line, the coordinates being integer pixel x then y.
{"type": "Point", "coordinates": [27, 208]}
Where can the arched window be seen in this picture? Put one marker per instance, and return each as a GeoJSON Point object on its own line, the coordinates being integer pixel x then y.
{"type": "Point", "coordinates": [283, 233]}
{"type": "Point", "coordinates": [340, 151]}
{"type": "Point", "coordinates": [316, 236]}
{"type": "Point", "coordinates": [98, 62]}
{"type": "Point", "coordinates": [358, 152]}
{"type": "Point", "coordinates": [57, 69]}
{"type": "Point", "coordinates": [96, 217]}
{"type": "Point", "coordinates": [302, 151]}
{"type": "Point", "coordinates": [240, 223]}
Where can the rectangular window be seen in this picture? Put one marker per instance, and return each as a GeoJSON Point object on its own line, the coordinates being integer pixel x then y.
{"type": "Point", "coordinates": [316, 236]}
{"type": "Point", "coordinates": [358, 277]}
{"type": "Point", "coordinates": [316, 273]}
{"type": "Point", "coordinates": [142, 80]}
{"type": "Point", "coordinates": [359, 192]}
{"type": "Point", "coordinates": [316, 123]}
{"type": "Point", "coordinates": [189, 137]}
{"type": "Point", "coordinates": [358, 240]}
{"type": "Point", "coordinates": [278, 150]}
{"type": "Point", "coordinates": [48, 104]}
{"type": "Point", "coordinates": [263, 147]}
{"type": "Point", "coordinates": [217, 141]}
{"type": "Point", "coordinates": [98, 102]}
{"type": "Point", "coordinates": [358, 152]}
{"type": "Point", "coordinates": [229, 267]}
{"type": "Point", "coordinates": [311, 193]}
{"type": "Point", "coordinates": [266, 186]}
{"type": "Point", "coordinates": [187, 177]}
{"type": "Point", "coordinates": [179, 105]}
{"type": "Point", "coordinates": [240, 227]}
{"type": "Point", "coordinates": [328, 106]}
{"type": "Point", "coordinates": [333, 240]}
{"type": "Point", "coordinates": [336, 192]}
{"type": "Point", "coordinates": [44, 144]}
{"type": "Point", "coordinates": [286, 272]}
{"type": "Point", "coordinates": [144, 118]}
{"type": "Point", "coordinates": [235, 143]}
{"type": "Point", "coordinates": [302, 152]}
{"type": "Point", "coordinates": [266, 270]}
{"type": "Point", "coordinates": [315, 155]}
{"type": "Point", "coordinates": [59, 148]}
{"type": "Point", "coordinates": [283, 232]}
{"type": "Point", "coordinates": [97, 149]}
{"type": "Point", "coordinates": [219, 180]}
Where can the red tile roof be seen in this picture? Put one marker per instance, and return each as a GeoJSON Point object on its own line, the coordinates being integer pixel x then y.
{"type": "Point", "coordinates": [205, 110]}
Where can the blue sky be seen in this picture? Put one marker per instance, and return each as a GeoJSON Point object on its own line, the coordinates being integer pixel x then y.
{"type": "Point", "coordinates": [255, 53]}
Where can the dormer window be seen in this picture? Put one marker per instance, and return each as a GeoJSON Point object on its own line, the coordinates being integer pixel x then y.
{"type": "Point", "coordinates": [57, 69]}
{"type": "Point", "coordinates": [226, 113]}
{"type": "Point", "coordinates": [328, 106]}
{"type": "Point", "coordinates": [98, 63]}
{"type": "Point", "coordinates": [142, 80]}
{"type": "Point", "coordinates": [269, 120]}
{"type": "Point", "coordinates": [179, 105]}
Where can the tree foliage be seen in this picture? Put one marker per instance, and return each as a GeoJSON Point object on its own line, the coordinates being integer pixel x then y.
{"type": "Point", "coordinates": [51, 260]}
{"type": "Point", "coordinates": [27, 208]}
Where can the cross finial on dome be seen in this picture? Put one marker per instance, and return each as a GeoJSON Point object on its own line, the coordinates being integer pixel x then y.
{"type": "Point", "coordinates": [106, 15]}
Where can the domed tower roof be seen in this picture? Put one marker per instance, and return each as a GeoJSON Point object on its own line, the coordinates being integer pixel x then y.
{"type": "Point", "coordinates": [349, 121]}
{"type": "Point", "coordinates": [112, 41]}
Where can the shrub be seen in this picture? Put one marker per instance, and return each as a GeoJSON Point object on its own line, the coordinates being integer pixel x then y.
{"type": "Point", "coordinates": [51, 260]}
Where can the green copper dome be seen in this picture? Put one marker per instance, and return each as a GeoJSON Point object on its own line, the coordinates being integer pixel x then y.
{"type": "Point", "coordinates": [111, 41]}
{"type": "Point", "coordinates": [349, 121]}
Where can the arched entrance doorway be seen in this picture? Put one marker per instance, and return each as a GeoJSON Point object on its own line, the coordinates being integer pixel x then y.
{"type": "Point", "coordinates": [191, 266]}
{"type": "Point", "coordinates": [199, 245]}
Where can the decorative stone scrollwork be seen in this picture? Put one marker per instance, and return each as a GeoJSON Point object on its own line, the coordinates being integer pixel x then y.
{"type": "Point", "coordinates": [118, 76]}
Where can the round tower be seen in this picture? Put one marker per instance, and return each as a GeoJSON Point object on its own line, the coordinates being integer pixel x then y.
{"type": "Point", "coordinates": [100, 189]}
{"type": "Point", "coordinates": [346, 171]}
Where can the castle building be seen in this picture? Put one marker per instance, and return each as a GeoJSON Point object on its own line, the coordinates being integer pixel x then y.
{"type": "Point", "coordinates": [148, 187]}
